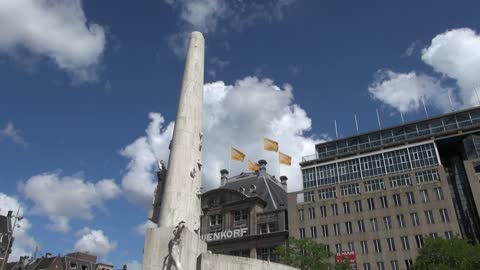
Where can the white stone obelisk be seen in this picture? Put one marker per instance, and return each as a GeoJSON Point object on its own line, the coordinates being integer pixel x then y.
{"type": "Point", "coordinates": [175, 244]}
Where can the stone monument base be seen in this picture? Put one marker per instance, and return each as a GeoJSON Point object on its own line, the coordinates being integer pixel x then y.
{"type": "Point", "coordinates": [209, 261]}
{"type": "Point", "coordinates": [161, 251]}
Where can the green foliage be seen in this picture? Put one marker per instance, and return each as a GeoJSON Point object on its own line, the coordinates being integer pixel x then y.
{"type": "Point", "coordinates": [344, 265]}
{"type": "Point", "coordinates": [307, 255]}
{"type": "Point", "coordinates": [443, 254]}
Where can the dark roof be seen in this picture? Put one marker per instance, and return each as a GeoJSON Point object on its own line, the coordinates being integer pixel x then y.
{"type": "Point", "coordinates": [267, 187]}
{"type": "Point", "coordinates": [44, 263]}
{"type": "Point", "coordinates": [3, 224]}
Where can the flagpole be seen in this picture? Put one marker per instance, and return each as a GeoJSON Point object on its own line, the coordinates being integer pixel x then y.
{"type": "Point", "coordinates": [356, 123]}
{"type": "Point", "coordinates": [336, 129]}
{"type": "Point", "coordinates": [378, 119]}
{"type": "Point", "coordinates": [450, 99]}
{"type": "Point", "coordinates": [401, 116]}
{"type": "Point", "coordinates": [425, 107]}
{"type": "Point", "coordinates": [476, 93]}
{"type": "Point", "coordinates": [229, 158]}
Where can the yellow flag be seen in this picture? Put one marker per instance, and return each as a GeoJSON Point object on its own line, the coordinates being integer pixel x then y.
{"type": "Point", "coordinates": [270, 145]}
{"type": "Point", "coordinates": [236, 154]}
{"type": "Point", "coordinates": [284, 159]}
{"type": "Point", "coordinates": [253, 166]}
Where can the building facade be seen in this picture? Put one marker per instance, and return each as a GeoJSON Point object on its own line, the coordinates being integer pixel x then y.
{"type": "Point", "coordinates": [6, 238]}
{"type": "Point", "coordinates": [382, 193]}
{"type": "Point", "coordinates": [71, 261]}
{"type": "Point", "coordinates": [246, 216]}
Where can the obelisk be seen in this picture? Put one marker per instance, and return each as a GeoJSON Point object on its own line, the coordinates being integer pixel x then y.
{"type": "Point", "coordinates": [176, 244]}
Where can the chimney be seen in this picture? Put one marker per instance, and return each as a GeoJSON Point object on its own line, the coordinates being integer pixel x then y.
{"type": "Point", "coordinates": [283, 181]}
{"type": "Point", "coordinates": [48, 255]}
{"type": "Point", "coordinates": [263, 165]}
{"type": "Point", "coordinates": [223, 177]}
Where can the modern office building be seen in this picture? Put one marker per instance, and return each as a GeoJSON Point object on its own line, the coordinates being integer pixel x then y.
{"type": "Point", "coordinates": [381, 193]}
{"type": "Point", "coordinates": [246, 216]}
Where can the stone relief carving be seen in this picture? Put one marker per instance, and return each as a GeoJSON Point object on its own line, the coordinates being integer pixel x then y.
{"type": "Point", "coordinates": [172, 260]}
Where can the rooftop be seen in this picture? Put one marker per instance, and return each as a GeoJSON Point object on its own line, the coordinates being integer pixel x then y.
{"type": "Point", "coordinates": [433, 127]}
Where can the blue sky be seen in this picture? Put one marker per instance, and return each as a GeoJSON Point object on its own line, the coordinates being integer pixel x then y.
{"type": "Point", "coordinates": [88, 93]}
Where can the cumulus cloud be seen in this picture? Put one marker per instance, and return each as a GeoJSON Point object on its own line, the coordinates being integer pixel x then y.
{"type": "Point", "coordinates": [454, 54]}
{"type": "Point", "coordinates": [134, 265]}
{"type": "Point", "coordinates": [12, 134]}
{"type": "Point", "coordinates": [209, 16]}
{"type": "Point", "coordinates": [24, 243]}
{"type": "Point", "coordinates": [237, 115]}
{"type": "Point", "coordinates": [56, 29]}
{"type": "Point", "coordinates": [405, 91]}
{"type": "Point", "coordinates": [68, 197]}
{"type": "Point", "coordinates": [139, 182]}
{"type": "Point", "coordinates": [94, 242]}
{"type": "Point", "coordinates": [142, 228]}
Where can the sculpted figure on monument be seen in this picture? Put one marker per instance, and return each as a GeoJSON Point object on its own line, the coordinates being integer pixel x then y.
{"type": "Point", "coordinates": [174, 246]}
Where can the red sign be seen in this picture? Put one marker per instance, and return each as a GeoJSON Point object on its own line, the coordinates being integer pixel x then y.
{"type": "Point", "coordinates": [346, 255]}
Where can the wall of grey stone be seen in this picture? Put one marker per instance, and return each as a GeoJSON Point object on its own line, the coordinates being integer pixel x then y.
{"type": "Point", "coordinates": [209, 261]}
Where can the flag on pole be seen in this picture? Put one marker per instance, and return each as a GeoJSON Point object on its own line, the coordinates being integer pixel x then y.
{"type": "Point", "coordinates": [284, 159]}
{"type": "Point", "coordinates": [253, 166]}
{"type": "Point", "coordinates": [236, 154]}
{"type": "Point", "coordinates": [270, 145]}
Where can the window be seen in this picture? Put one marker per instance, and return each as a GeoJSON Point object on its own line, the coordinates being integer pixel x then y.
{"type": "Point", "coordinates": [374, 185]}
{"type": "Point", "coordinates": [405, 243]}
{"type": "Point", "coordinates": [409, 264]}
{"type": "Point", "coordinates": [327, 193]}
{"type": "Point", "coordinates": [415, 220]}
{"type": "Point", "coordinates": [429, 217]}
{"type": "Point", "coordinates": [350, 189]}
{"type": "Point", "coordinates": [313, 232]}
{"type": "Point", "coordinates": [349, 170]}
{"type": "Point", "coordinates": [372, 165]}
{"type": "Point", "coordinates": [410, 198]}
{"type": "Point", "coordinates": [361, 225]}
{"type": "Point", "coordinates": [401, 221]}
{"type": "Point", "coordinates": [216, 220]}
{"type": "Point", "coordinates": [400, 180]}
{"type": "Point", "coordinates": [434, 235]}
{"type": "Point", "coordinates": [311, 213]}
{"type": "Point", "coordinates": [378, 245]}
{"type": "Point", "coordinates": [351, 246]}
{"type": "Point", "coordinates": [301, 215]}
{"type": "Point", "coordinates": [267, 254]}
{"type": "Point", "coordinates": [395, 265]}
{"type": "Point", "coordinates": [373, 221]}
{"type": "Point", "coordinates": [336, 229]}
{"type": "Point", "coordinates": [327, 174]}
{"type": "Point", "coordinates": [309, 178]}
{"type": "Point", "coordinates": [444, 215]}
{"type": "Point", "coordinates": [323, 211]}
{"type": "Point", "coordinates": [419, 240]}
{"type": "Point", "coordinates": [366, 266]}
{"type": "Point", "coordinates": [346, 208]}
{"type": "Point", "coordinates": [391, 244]}
{"type": "Point", "coordinates": [423, 155]}
{"type": "Point", "coordinates": [302, 233]}
{"type": "Point", "coordinates": [424, 195]}
{"type": "Point", "coordinates": [309, 196]}
{"type": "Point", "coordinates": [397, 200]}
{"type": "Point", "coordinates": [325, 230]}
{"type": "Point", "coordinates": [384, 202]}
{"type": "Point", "coordinates": [438, 193]}
{"type": "Point", "coordinates": [338, 247]}
{"type": "Point", "coordinates": [449, 234]}
{"type": "Point", "coordinates": [427, 176]}
{"type": "Point", "coordinates": [240, 215]}
{"type": "Point", "coordinates": [380, 266]}
{"type": "Point", "coordinates": [348, 226]}
{"type": "Point", "coordinates": [387, 222]}
{"type": "Point", "coordinates": [364, 246]}
{"type": "Point", "coordinates": [334, 210]}
{"type": "Point", "coordinates": [371, 204]}
{"type": "Point", "coordinates": [73, 265]}
{"type": "Point", "coordinates": [358, 206]}
{"type": "Point", "coordinates": [84, 267]}
{"type": "Point", "coordinates": [267, 228]}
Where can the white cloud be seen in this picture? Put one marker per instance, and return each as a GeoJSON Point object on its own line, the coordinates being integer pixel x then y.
{"type": "Point", "coordinates": [139, 182]}
{"type": "Point", "coordinates": [56, 29]}
{"type": "Point", "coordinates": [405, 91]}
{"type": "Point", "coordinates": [210, 16]}
{"type": "Point", "coordinates": [456, 54]}
{"type": "Point", "coordinates": [24, 243]}
{"type": "Point", "coordinates": [13, 134]}
{"type": "Point", "coordinates": [142, 228]}
{"type": "Point", "coordinates": [94, 242]}
{"type": "Point", "coordinates": [239, 115]}
{"type": "Point", "coordinates": [68, 197]}
{"type": "Point", "coordinates": [134, 265]}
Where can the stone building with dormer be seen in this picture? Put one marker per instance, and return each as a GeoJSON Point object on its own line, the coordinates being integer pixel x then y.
{"type": "Point", "coordinates": [246, 216]}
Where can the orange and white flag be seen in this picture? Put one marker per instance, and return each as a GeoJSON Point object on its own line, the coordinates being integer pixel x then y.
{"type": "Point", "coordinates": [236, 154]}
{"type": "Point", "coordinates": [253, 166]}
{"type": "Point", "coordinates": [270, 145]}
{"type": "Point", "coordinates": [284, 159]}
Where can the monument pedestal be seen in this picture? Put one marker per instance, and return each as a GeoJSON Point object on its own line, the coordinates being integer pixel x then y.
{"type": "Point", "coordinates": [166, 249]}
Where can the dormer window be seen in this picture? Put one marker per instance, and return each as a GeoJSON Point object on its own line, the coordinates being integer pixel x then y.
{"type": "Point", "coordinates": [73, 265]}
{"type": "Point", "coordinates": [240, 216]}
{"type": "Point", "coordinates": [253, 188]}
{"type": "Point", "coordinates": [84, 267]}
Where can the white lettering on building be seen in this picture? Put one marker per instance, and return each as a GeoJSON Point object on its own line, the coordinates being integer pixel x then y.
{"type": "Point", "coordinates": [224, 235]}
